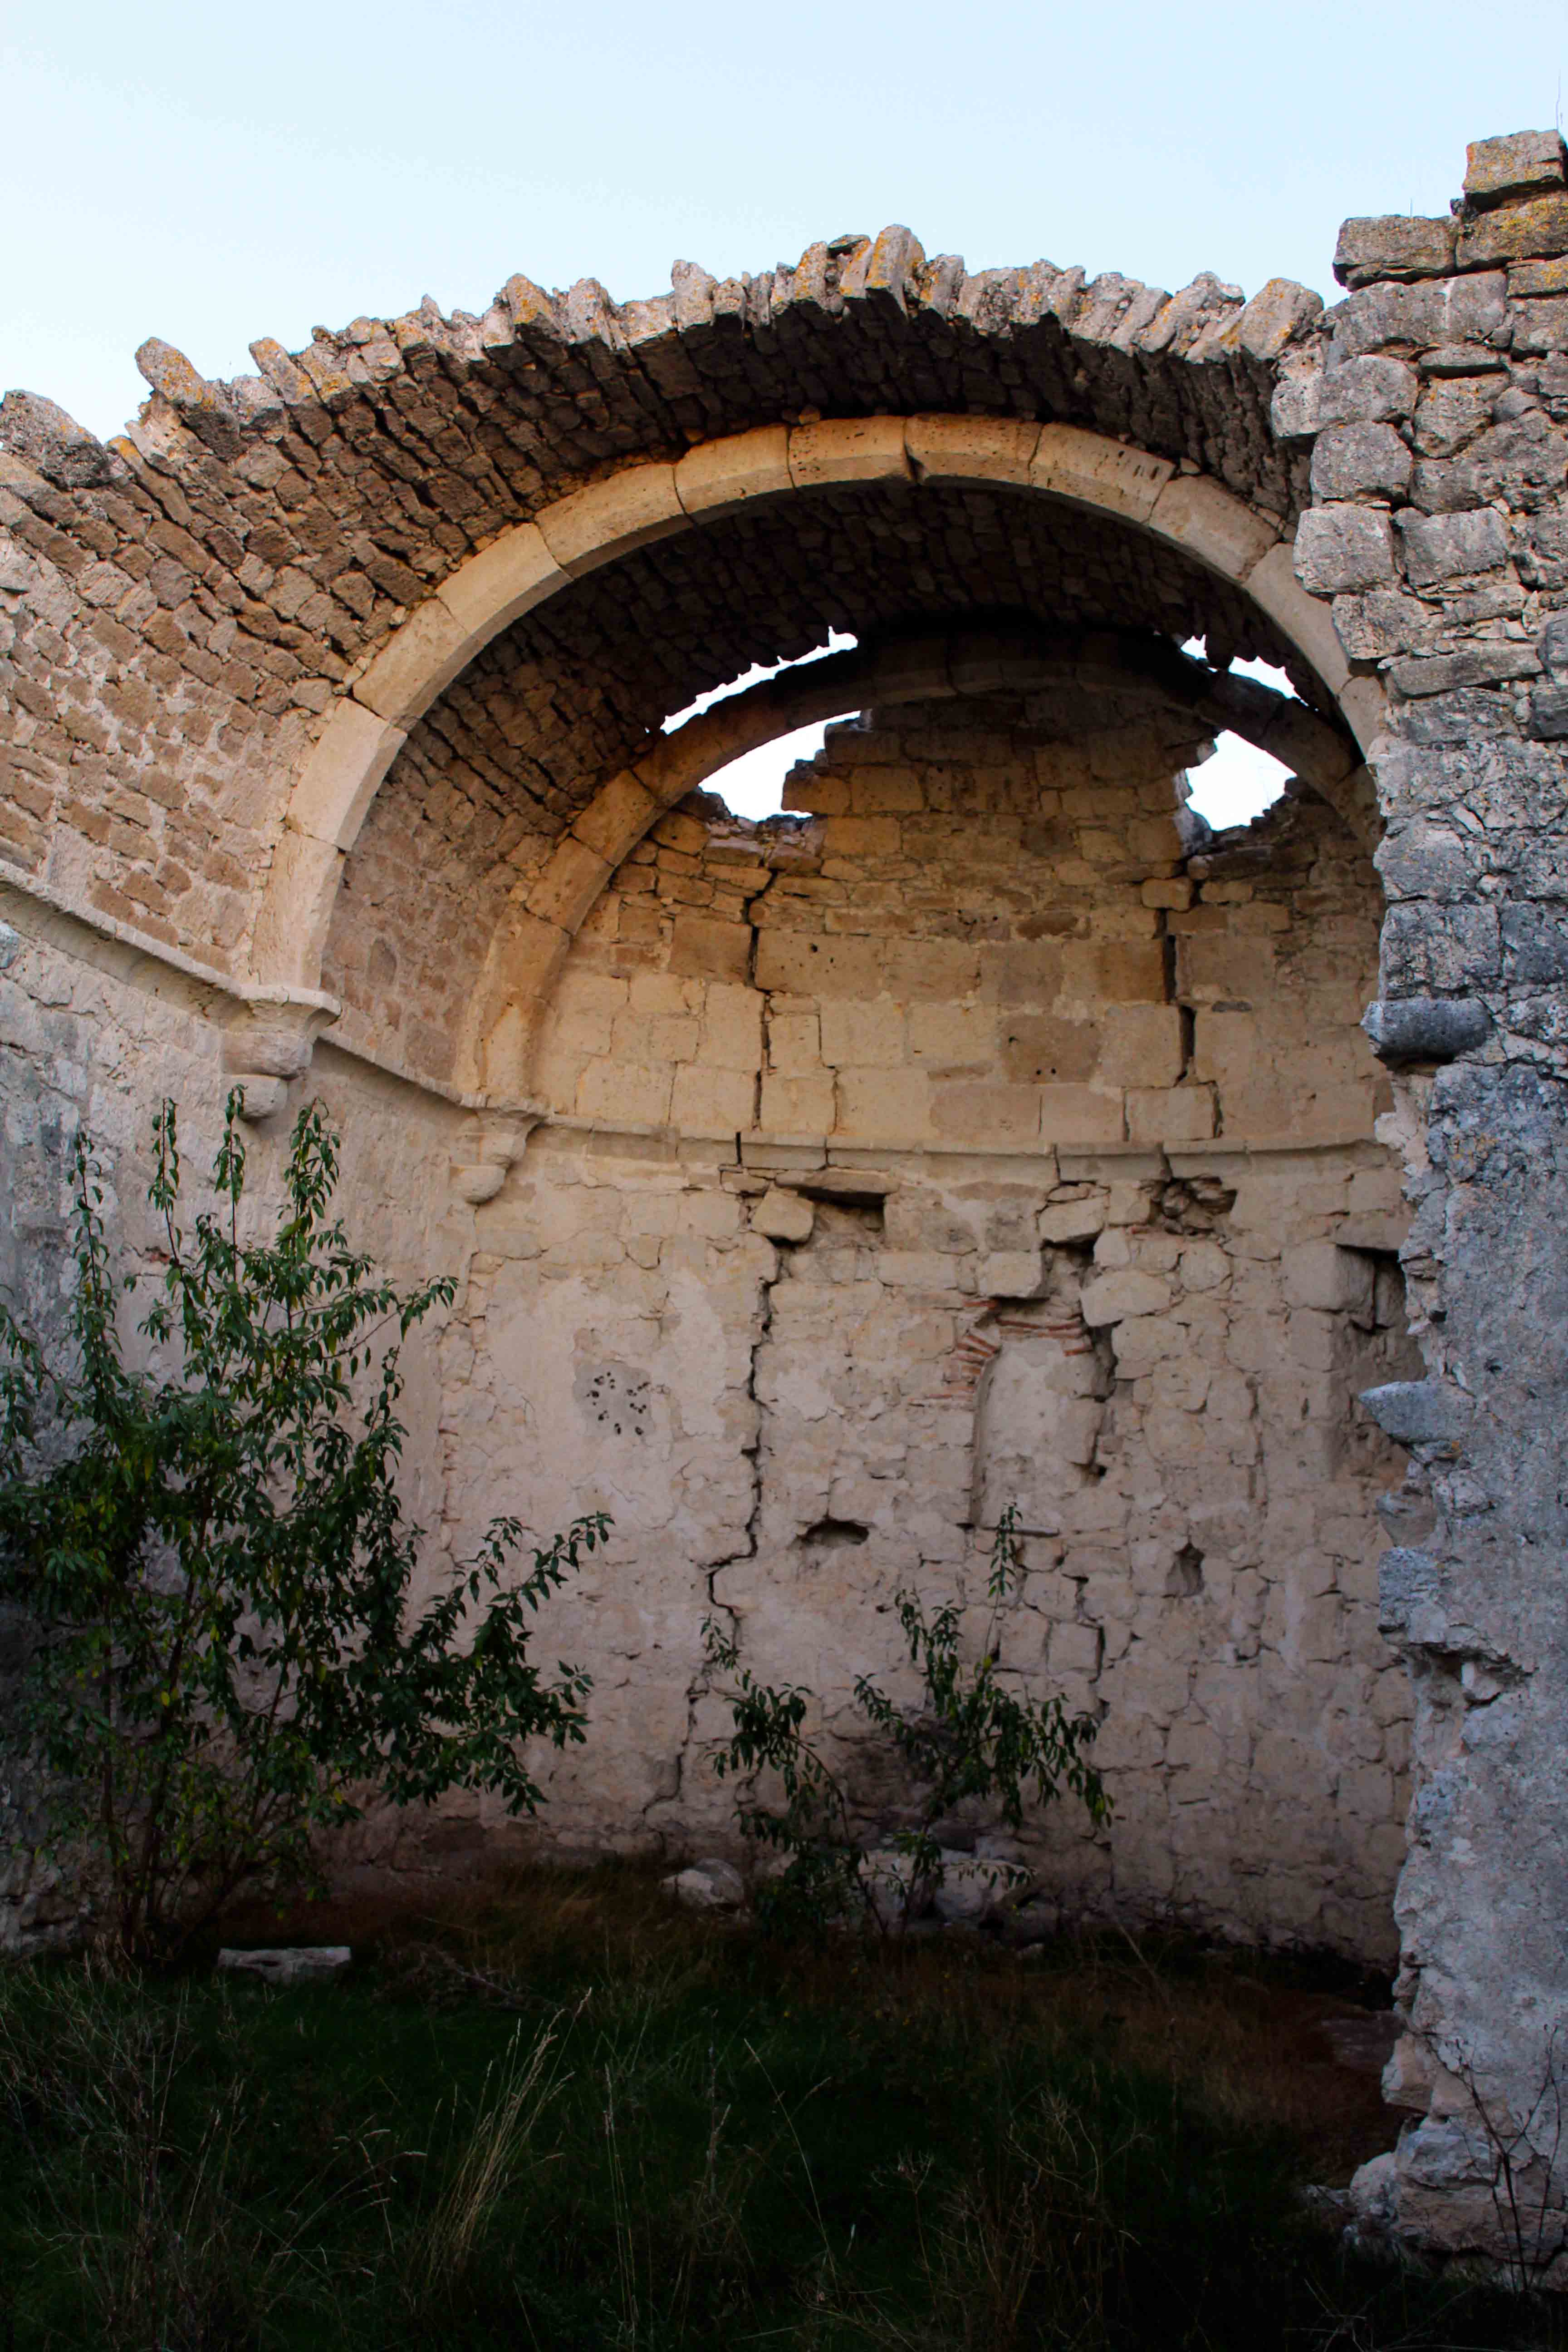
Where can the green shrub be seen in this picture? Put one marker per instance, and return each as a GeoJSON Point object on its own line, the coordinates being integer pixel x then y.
{"type": "Point", "coordinates": [217, 1565]}
{"type": "Point", "coordinates": [972, 1739]}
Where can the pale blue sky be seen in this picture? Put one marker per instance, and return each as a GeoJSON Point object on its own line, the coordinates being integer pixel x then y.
{"type": "Point", "coordinates": [213, 174]}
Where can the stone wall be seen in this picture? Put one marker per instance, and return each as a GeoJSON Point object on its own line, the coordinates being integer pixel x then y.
{"type": "Point", "coordinates": [179, 609]}
{"type": "Point", "coordinates": [495, 771]}
{"type": "Point", "coordinates": [1434, 400]}
{"type": "Point", "coordinates": [987, 928]}
{"type": "Point", "coordinates": [964, 1232]}
{"type": "Point", "coordinates": [794, 1390]}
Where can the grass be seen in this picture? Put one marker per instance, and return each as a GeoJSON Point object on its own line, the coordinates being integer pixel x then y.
{"type": "Point", "coordinates": [562, 2117]}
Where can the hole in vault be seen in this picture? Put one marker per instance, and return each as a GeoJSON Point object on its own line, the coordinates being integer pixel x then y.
{"type": "Point", "coordinates": [1237, 781]}
{"type": "Point", "coordinates": [750, 786]}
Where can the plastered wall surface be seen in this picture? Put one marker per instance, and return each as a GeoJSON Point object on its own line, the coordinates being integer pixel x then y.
{"type": "Point", "coordinates": [978, 1131]}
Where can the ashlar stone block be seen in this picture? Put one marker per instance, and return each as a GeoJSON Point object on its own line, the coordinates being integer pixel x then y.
{"type": "Point", "coordinates": [702, 948]}
{"type": "Point", "coordinates": [952, 1038]}
{"type": "Point", "coordinates": [1210, 524]}
{"type": "Point", "coordinates": [1170, 1114]}
{"type": "Point", "coordinates": [1142, 1045]}
{"type": "Point", "coordinates": [347, 763]}
{"type": "Point", "coordinates": [1075, 1114]}
{"type": "Point", "coordinates": [1319, 1274]}
{"type": "Point", "coordinates": [971, 448]}
{"type": "Point", "coordinates": [505, 580]}
{"type": "Point", "coordinates": [715, 1102]}
{"type": "Point", "coordinates": [825, 968]}
{"type": "Point", "coordinates": [1011, 1274]}
{"type": "Point", "coordinates": [884, 790]}
{"type": "Point", "coordinates": [732, 1035]}
{"type": "Point", "coordinates": [976, 1111]}
{"type": "Point", "coordinates": [794, 1043]}
{"type": "Point", "coordinates": [568, 883]}
{"type": "Point", "coordinates": [863, 1036]}
{"type": "Point", "coordinates": [916, 1270]}
{"type": "Point", "coordinates": [848, 449]}
{"type": "Point", "coordinates": [1090, 470]}
{"type": "Point", "coordinates": [620, 1091]}
{"type": "Point", "coordinates": [894, 1103]}
{"type": "Point", "coordinates": [617, 817]}
{"type": "Point", "coordinates": [863, 836]}
{"type": "Point", "coordinates": [612, 517]}
{"type": "Point", "coordinates": [717, 478]}
{"type": "Point", "coordinates": [798, 1103]}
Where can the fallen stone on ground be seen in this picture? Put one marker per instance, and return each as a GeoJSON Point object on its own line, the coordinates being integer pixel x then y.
{"type": "Point", "coordinates": [707, 1886]}
{"type": "Point", "coordinates": [300, 1964]}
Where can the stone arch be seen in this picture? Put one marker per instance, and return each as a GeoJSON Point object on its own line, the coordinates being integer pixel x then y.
{"type": "Point", "coordinates": [595, 526]}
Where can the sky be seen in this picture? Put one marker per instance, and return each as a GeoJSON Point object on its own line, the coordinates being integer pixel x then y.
{"type": "Point", "coordinates": [213, 174]}
{"type": "Point", "coordinates": [1234, 784]}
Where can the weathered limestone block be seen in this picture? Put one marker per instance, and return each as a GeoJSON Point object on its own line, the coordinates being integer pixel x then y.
{"type": "Point", "coordinates": [1448, 547]}
{"type": "Point", "coordinates": [1182, 1114]}
{"type": "Point", "coordinates": [1359, 461]}
{"type": "Point", "coordinates": [1438, 314]}
{"type": "Point", "coordinates": [784, 1216]}
{"type": "Point", "coordinates": [1011, 1274]}
{"type": "Point", "coordinates": [1528, 164]}
{"type": "Point", "coordinates": [1396, 245]}
{"type": "Point", "coordinates": [1342, 547]}
{"type": "Point", "coordinates": [1115, 1295]}
{"type": "Point", "coordinates": [1515, 232]}
{"type": "Point", "coordinates": [1319, 1274]}
{"type": "Point", "coordinates": [1141, 1045]}
{"type": "Point", "coordinates": [1425, 1028]}
{"type": "Point", "coordinates": [714, 1102]}
{"type": "Point", "coordinates": [1369, 390]}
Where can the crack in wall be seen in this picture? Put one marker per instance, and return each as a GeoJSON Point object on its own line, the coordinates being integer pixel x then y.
{"type": "Point", "coordinates": [948, 991]}
{"type": "Point", "coordinates": [700, 1685]}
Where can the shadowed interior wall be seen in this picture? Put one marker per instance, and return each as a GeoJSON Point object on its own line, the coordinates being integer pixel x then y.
{"type": "Point", "coordinates": [1059, 1188]}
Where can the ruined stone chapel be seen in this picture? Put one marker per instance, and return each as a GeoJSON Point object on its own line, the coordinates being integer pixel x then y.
{"type": "Point", "coordinates": [983, 1130]}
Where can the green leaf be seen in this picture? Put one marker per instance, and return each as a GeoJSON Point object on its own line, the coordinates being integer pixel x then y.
{"type": "Point", "coordinates": [219, 1563]}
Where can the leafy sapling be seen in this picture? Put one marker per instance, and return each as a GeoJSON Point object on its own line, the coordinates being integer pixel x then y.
{"type": "Point", "coordinates": [808, 1831]}
{"type": "Point", "coordinates": [975, 1738]}
{"type": "Point", "coordinates": [229, 1659]}
{"type": "Point", "coordinates": [972, 1737]}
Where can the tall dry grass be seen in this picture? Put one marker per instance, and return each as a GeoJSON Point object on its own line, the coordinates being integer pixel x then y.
{"type": "Point", "coordinates": [559, 2115]}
